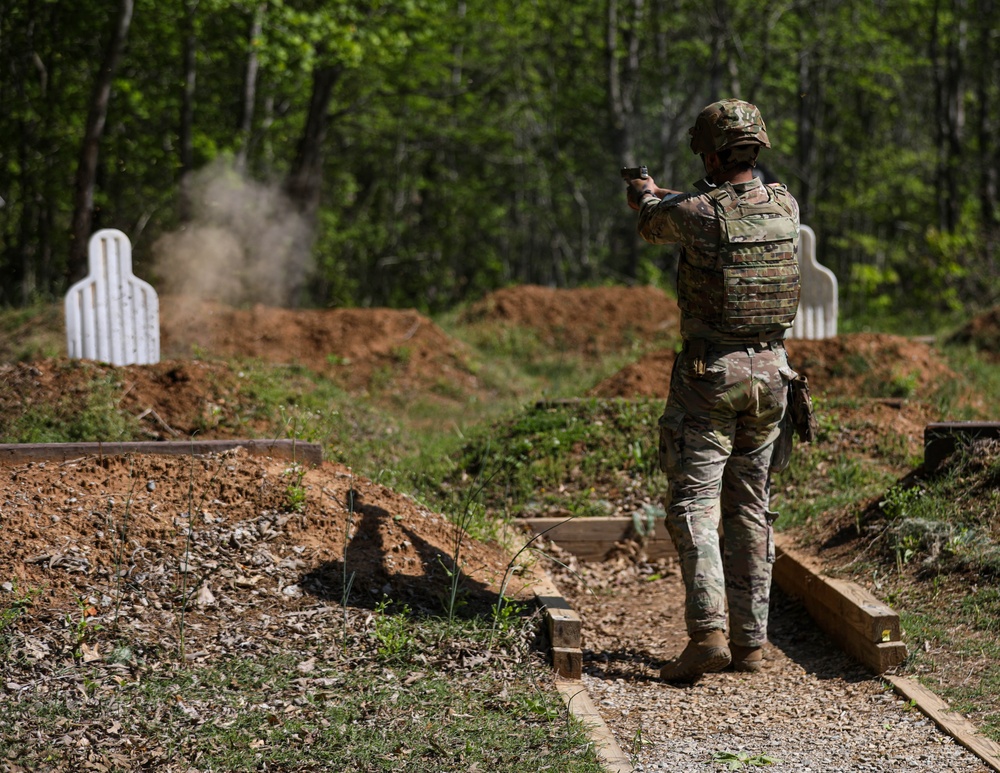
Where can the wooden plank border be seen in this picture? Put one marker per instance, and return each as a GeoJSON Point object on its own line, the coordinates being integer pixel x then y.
{"type": "Point", "coordinates": [294, 450]}
{"type": "Point", "coordinates": [564, 628]}
{"type": "Point", "coordinates": [950, 722]}
{"type": "Point", "coordinates": [582, 706]}
{"type": "Point", "coordinates": [591, 538]}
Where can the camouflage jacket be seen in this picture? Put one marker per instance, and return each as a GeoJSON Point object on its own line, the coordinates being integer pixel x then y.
{"type": "Point", "coordinates": [692, 220]}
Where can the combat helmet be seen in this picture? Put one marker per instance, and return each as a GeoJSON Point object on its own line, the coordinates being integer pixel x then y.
{"type": "Point", "coordinates": [729, 124]}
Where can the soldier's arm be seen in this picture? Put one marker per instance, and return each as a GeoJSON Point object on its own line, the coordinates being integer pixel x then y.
{"type": "Point", "coordinates": [670, 219]}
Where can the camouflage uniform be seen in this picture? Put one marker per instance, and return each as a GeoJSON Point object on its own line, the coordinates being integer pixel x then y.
{"type": "Point", "coordinates": [728, 395]}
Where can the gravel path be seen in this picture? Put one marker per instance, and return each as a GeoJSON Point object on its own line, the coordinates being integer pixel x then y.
{"type": "Point", "coordinates": [811, 708]}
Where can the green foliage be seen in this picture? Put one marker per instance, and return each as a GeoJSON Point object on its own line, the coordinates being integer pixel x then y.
{"type": "Point", "coordinates": [295, 492]}
{"type": "Point", "coordinates": [474, 145]}
{"type": "Point", "coordinates": [550, 453]}
{"type": "Point", "coordinates": [738, 760]}
{"type": "Point", "coordinates": [90, 414]}
{"type": "Point", "coordinates": [816, 483]}
{"type": "Point", "coordinates": [393, 633]}
{"type": "Point", "coordinates": [939, 521]}
{"type": "Point", "coordinates": [11, 610]}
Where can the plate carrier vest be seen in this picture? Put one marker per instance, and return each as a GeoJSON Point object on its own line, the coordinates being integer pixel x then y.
{"type": "Point", "coordinates": [750, 288]}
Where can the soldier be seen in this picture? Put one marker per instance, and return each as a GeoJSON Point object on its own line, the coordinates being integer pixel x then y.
{"type": "Point", "coordinates": [738, 290]}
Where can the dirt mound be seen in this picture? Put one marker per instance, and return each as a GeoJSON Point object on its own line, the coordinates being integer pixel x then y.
{"type": "Point", "coordinates": [356, 348]}
{"type": "Point", "coordinates": [983, 332]}
{"type": "Point", "coordinates": [171, 399]}
{"type": "Point", "coordinates": [856, 365]}
{"type": "Point", "coordinates": [139, 538]}
{"type": "Point", "coordinates": [870, 365]}
{"type": "Point", "coordinates": [649, 377]}
{"type": "Point", "coordinates": [590, 321]}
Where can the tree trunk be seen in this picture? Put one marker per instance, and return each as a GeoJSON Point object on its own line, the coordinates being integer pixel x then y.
{"type": "Point", "coordinates": [623, 82]}
{"type": "Point", "coordinates": [83, 208]}
{"type": "Point", "coordinates": [304, 182]}
{"type": "Point", "coordinates": [186, 129]}
{"type": "Point", "coordinates": [989, 74]}
{"type": "Point", "coordinates": [249, 89]}
{"type": "Point", "coordinates": [946, 53]}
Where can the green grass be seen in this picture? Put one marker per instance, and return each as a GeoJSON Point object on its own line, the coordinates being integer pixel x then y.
{"type": "Point", "coordinates": [32, 333]}
{"type": "Point", "coordinates": [565, 455]}
{"type": "Point", "coordinates": [90, 413]}
{"type": "Point", "coordinates": [372, 707]}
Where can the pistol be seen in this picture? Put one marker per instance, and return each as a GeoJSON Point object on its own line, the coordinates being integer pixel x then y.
{"type": "Point", "coordinates": [634, 173]}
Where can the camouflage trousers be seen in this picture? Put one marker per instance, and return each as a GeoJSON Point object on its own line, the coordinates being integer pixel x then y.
{"type": "Point", "coordinates": [718, 432]}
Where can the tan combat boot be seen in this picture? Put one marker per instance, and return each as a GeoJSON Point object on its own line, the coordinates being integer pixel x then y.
{"type": "Point", "coordinates": [748, 659]}
{"type": "Point", "coordinates": [707, 652]}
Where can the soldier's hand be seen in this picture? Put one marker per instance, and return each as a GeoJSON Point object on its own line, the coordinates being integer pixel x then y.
{"type": "Point", "coordinates": [637, 188]}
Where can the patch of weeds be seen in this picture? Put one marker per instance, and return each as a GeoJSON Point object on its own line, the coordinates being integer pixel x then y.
{"type": "Point", "coordinates": [401, 354]}
{"type": "Point", "coordinates": [88, 414]}
{"type": "Point", "coordinates": [12, 611]}
{"type": "Point", "coordinates": [959, 398]}
{"type": "Point", "coordinates": [295, 492]}
{"type": "Point", "coordinates": [393, 632]}
{"type": "Point", "coordinates": [737, 760]}
{"type": "Point", "coordinates": [816, 483]}
{"type": "Point", "coordinates": [898, 385]}
{"type": "Point", "coordinates": [978, 652]}
{"type": "Point", "coordinates": [564, 450]}
{"type": "Point", "coordinates": [854, 364]}
{"type": "Point", "coordinates": [943, 520]}
{"type": "Point", "coordinates": [82, 627]}
{"type": "Point", "coordinates": [302, 706]}
{"type": "Point", "coordinates": [981, 609]}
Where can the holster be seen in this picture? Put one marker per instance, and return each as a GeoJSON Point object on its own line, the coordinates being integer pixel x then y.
{"type": "Point", "coordinates": [800, 407]}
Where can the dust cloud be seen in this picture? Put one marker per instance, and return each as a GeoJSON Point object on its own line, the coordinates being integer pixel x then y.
{"type": "Point", "coordinates": [244, 245]}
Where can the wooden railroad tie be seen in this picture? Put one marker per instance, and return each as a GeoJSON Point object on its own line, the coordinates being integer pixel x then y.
{"type": "Point", "coordinates": [863, 626]}
{"type": "Point", "coordinates": [592, 538]}
{"type": "Point", "coordinates": [564, 628]}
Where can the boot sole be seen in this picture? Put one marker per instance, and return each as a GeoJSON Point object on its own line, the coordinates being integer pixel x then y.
{"type": "Point", "coordinates": [711, 662]}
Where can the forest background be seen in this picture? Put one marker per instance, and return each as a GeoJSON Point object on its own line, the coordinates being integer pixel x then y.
{"type": "Point", "coordinates": [415, 153]}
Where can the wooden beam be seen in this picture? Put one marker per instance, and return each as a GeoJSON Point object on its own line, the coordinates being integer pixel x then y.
{"type": "Point", "coordinates": [941, 438]}
{"type": "Point", "coordinates": [295, 450]}
{"type": "Point", "coordinates": [564, 627]}
{"type": "Point", "coordinates": [591, 538]}
{"type": "Point", "coordinates": [582, 706]}
{"type": "Point", "coordinates": [952, 723]}
{"type": "Point", "coordinates": [568, 662]}
{"type": "Point", "coordinates": [862, 625]}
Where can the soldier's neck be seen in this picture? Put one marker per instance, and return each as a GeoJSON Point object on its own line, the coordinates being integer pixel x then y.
{"type": "Point", "coordinates": [732, 176]}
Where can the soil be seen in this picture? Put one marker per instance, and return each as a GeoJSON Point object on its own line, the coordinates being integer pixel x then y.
{"type": "Point", "coordinates": [855, 365]}
{"type": "Point", "coordinates": [237, 536]}
{"type": "Point", "coordinates": [142, 531]}
{"type": "Point", "coordinates": [587, 321]}
{"type": "Point", "coordinates": [47, 507]}
{"type": "Point", "coordinates": [73, 527]}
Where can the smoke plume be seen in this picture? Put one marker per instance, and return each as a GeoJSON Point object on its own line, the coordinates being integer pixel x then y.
{"type": "Point", "coordinates": [245, 243]}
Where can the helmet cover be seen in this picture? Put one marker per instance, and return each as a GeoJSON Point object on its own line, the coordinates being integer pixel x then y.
{"type": "Point", "coordinates": [728, 124]}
